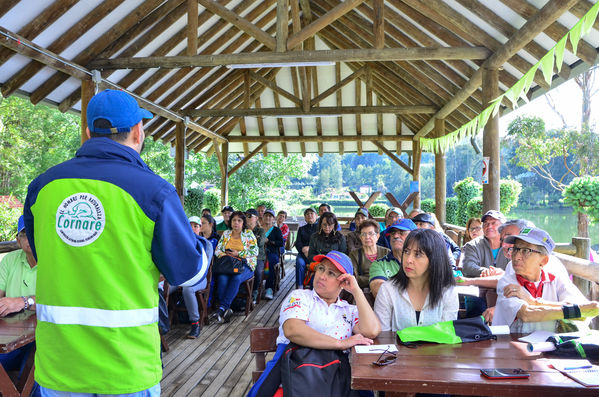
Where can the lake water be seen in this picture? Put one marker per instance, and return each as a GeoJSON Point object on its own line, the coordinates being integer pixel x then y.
{"type": "Point", "coordinates": [560, 223]}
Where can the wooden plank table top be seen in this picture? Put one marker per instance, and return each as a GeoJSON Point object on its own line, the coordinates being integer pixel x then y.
{"type": "Point", "coordinates": [17, 330]}
{"type": "Point", "coordinates": [455, 369]}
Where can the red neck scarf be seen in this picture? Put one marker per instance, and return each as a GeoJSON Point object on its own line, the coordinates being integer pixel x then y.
{"type": "Point", "coordinates": [530, 286]}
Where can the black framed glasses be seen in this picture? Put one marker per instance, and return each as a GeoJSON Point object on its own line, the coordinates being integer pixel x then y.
{"type": "Point", "coordinates": [526, 252]}
{"type": "Point", "coordinates": [385, 360]}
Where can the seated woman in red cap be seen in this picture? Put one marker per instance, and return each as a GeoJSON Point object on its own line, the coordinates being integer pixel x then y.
{"type": "Point", "coordinates": [319, 319]}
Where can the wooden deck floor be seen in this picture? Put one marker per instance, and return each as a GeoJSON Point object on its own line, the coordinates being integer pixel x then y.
{"type": "Point", "coordinates": [219, 362]}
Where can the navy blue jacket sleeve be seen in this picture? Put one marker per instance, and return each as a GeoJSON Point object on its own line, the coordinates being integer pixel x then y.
{"type": "Point", "coordinates": [180, 255]}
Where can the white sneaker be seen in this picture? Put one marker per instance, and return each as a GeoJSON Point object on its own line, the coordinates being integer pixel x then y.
{"type": "Point", "coordinates": [268, 294]}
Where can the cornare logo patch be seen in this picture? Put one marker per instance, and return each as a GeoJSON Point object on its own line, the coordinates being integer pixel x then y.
{"type": "Point", "coordinates": [80, 219]}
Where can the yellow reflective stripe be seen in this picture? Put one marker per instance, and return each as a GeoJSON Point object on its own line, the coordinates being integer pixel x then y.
{"type": "Point", "coordinates": [96, 317]}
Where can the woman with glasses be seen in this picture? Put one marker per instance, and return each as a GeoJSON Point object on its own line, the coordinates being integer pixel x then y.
{"type": "Point", "coordinates": [533, 297]}
{"type": "Point", "coordinates": [423, 291]}
{"type": "Point", "coordinates": [353, 237]}
{"type": "Point", "coordinates": [363, 257]}
{"type": "Point", "coordinates": [474, 229]}
{"type": "Point", "coordinates": [319, 318]}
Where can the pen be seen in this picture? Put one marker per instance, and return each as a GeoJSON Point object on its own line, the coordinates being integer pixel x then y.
{"type": "Point", "coordinates": [582, 367]}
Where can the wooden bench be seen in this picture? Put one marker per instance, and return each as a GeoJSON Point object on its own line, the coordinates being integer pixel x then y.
{"type": "Point", "coordinates": [262, 341]}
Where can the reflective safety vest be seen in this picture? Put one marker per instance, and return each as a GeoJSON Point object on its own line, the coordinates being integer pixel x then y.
{"type": "Point", "coordinates": [97, 303]}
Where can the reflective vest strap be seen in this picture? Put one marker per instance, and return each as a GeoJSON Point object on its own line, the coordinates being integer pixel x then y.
{"type": "Point", "coordinates": [96, 317]}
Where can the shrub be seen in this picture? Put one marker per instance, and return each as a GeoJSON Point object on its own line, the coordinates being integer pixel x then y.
{"type": "Point", "coordinates": [475, 207]}
{"type": "Point", "coordinates": [377, 210]}
{"type": "Point", "coordinates": [509, 192]}
{"type": "Point", "coordinates": [451, 210]}
{"type": "Point", "coordinates": [582, 194]}
{"type": "Point", "coordinates": [428, 205]}
{"type": "Point", "coordinates": [465, 190]}
{"type": "Point", "coordinates": [8, 222]}
{"type": "Point", "coordinates": [269, 204]}
{"type": "Point", "coordinates": [193, 202]}
{"type": "Point", "coordinates": [212, 200]}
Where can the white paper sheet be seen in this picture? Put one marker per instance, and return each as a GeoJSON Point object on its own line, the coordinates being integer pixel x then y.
{"type": "Point", "coordinates": [537, 336]}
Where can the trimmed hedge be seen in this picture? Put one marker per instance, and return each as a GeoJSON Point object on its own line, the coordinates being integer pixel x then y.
{"type": "Point", "coordinates": [428, 205]}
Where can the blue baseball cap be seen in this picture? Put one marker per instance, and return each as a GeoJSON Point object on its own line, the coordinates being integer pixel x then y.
{"type": "Point", "coordinates": [118, 108]}
{"type": "Point", "coordinates": [402, 224]}
{"type": "Point", "coordinates": [534, 236]}
{"type": "Point", "coordinates": [20, 224]}
{"type": "Point", "coordinates": [339, 259]}
{"type": "Point", "coordinates": [363, 211]}
{"type": "Point", "coordinates": [271, 212]}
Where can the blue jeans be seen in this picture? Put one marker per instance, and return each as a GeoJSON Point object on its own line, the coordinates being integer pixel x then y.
{"type": "Point", "coordinates": [16, 360]}
{"type": "Point", "coordinates": [228, 286]}
{"type": "Point", "coordinates": [258, 274]}
{"type": "Point", "coordinates": [300, 269]}
{"type": "Point", "coordinates": [153, 391]}
{"type": "Point", "coordinates": [273, 259]}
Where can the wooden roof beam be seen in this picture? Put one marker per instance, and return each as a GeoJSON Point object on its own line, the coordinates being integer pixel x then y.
{"type": "Point", "coordinates": [393, 157]}
{"type": "Point", "coordinates": [546, 16]}
{"type": "Point", "coordinates": [356, 54]}
{"type": "Point", "coordinates": [317, 25]}
{"type": "Point", "coordinates": [192, 27]}
{"type": "Point", "coordinates": [246, 158]}
{"type": "Point", "coordinates": [324, 138]}
{"type": "Point", "coordinates": [314, 112]}
{"type": "Point", "coordinates": [243, 24]}
{"type": "Point", "coordinates": [338, 85]}
{"type": "Point", "coordinates": [273, 86]}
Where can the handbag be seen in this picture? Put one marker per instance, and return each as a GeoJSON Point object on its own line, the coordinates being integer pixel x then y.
{"type": "Point", "coordinates": [462, 330]}
{"type": "Point", "coordinates": [315, 372]}
{"type": "Point", "coordinates": [227, 264]}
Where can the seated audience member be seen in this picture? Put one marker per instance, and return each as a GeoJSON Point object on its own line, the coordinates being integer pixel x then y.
{"type": "Point", "coordinates": [322, 208]}
{"type": "Point", "coordinates": [422, 292]}
{"type": "Point", "coordinates": [530, 298]}
{"type": "Point", "coordinates": [387, 267]}
{"type": "Point", "coordinates": [261, 208]}
{"type": "Point", "coordinates": [429, 221]}
{"type": "Point", "coordinates": [203, 228]}
{"type": "Point", "coordinates": [281, 218]}
{"type": "Point", "coordinates": [226, 223]}
{"type": "Point", "coordinates": [302, 244]}
{"type": "Point", "coordinates": [474, 305]}
{"type": "Point", "coordinates": [208, 229]}
{"type": "Point", "coordinates": [474, 229]}
{"type": "Point", "coordinates": [415, 212]}
{"type": "Point", "coordinates": [353, 237]}
{"type": "Point", "coordinates": [238, 242]}
{"type": "Point", "coordinates": [319, 318]}
{"type": "Point", "coordinates": [483, 256]}
{"type": "Point", "coordinates": [206, 211]}
{"type": "Point", "coordinates": [18, 272]}
{"type": "Point", "coordinates": [328, 238]}
{"type": "Point", "coordinates": [252, 224]}
{"type": "Point", "coordinates": [363, 257]}
{"type": "Point", "coordinates": [272, 245]}
{"type": "Point", "coordinates": [391, 216]}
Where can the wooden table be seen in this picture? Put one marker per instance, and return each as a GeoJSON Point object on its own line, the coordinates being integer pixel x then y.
{"type": "Point", "coordinates": [455, 369]}
{"type": "Point", "coordinates": [17, 330]}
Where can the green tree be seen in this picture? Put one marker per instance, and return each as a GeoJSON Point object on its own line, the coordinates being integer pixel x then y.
{"type": "Point", "coordinates": [32, 139]}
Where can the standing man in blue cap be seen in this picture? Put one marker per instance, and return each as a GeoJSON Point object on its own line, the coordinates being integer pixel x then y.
{"type": "Point", "coordinates": [103, 227]}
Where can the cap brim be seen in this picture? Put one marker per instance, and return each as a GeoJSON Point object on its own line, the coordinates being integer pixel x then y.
{"type": "Point", "coordinates": [145, 114]}
{"type": "Point", "coordinates": [319, 258]}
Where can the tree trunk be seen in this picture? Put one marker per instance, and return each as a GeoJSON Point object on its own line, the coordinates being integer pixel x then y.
{"type": "Point", "coordinates": [583, 225]}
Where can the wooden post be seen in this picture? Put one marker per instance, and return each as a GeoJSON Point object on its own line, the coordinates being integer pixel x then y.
{"type": "Point", "coordinates": [224, 189]}
{"type": "Point", "coordinates": [87, 92]}
{"type": "Point", "coordinates": [180, 160]}
{"type": "Point", "coordinates": [490, 88]}
{"type": "Point", "coordinates": [192, 27]}
{"type": "Point", "coordinates": [416, 153]}
{"type": "Point", "coordinates": [282, 25]}
{"type": "Point", "coordinates": [583, 248]}
{"type": "Point", "coordinates": [440, 177]}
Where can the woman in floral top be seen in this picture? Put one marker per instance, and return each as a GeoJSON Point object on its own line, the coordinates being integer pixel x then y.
{"type": "Point", "coordinates": [238, 242]}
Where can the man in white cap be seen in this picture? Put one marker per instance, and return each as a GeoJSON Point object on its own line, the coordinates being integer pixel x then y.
{"type": "Point", "coordinates": [531, 298]}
